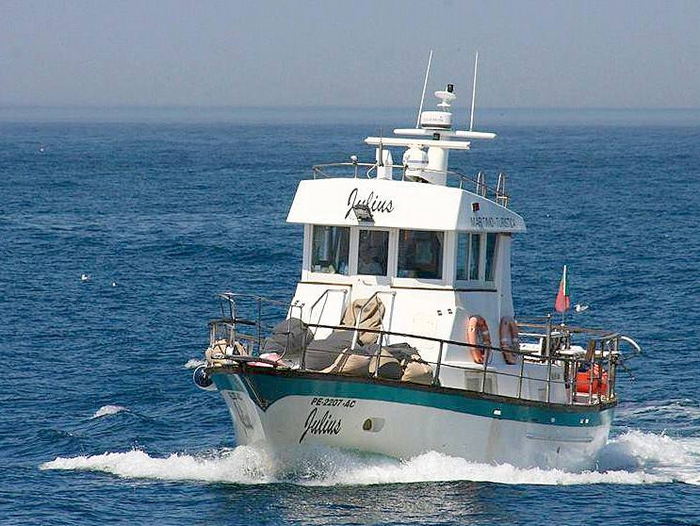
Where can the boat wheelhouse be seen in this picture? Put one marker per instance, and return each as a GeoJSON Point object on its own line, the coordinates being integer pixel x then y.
{"type": "Point", "coordinates": [401, 335]}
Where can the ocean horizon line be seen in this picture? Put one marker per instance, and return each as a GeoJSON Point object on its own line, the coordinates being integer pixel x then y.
{"type": "Point", "coordinates": [397, 116]}
{"type": "Point", "coordinates": [317, 107]}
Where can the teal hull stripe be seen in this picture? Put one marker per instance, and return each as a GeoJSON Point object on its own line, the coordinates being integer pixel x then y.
{"type": "Point", "coordinates": [275, 387]}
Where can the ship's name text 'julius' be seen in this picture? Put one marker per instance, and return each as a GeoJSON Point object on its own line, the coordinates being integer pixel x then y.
{"type": "Point", "coordinates": [374, 202]}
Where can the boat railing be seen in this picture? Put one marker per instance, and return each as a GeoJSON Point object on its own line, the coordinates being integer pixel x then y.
{"type": "Point", "coordinates": [598, 364]}
{"type": "Point", "coordinates": [586, 373]}
{"type": "Point", "coordinates": [454, 178]}
{"type": "Point", "coordinates": [249, 330]}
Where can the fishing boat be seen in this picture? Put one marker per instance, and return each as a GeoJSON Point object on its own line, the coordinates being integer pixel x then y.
{"type": "Point", "coordinates": [401, 336]}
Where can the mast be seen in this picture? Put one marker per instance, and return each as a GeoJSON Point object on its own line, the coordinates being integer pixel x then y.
{"type": "Point", "coordinates": [425, 85]}
{"type": "Point", "coordinates": [471, 115]}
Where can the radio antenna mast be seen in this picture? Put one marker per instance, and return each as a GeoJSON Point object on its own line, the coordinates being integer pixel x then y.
{"type": "Point", "coordinates": [471, 115]}
{"type": "Point", "coordinates": [425, 85]}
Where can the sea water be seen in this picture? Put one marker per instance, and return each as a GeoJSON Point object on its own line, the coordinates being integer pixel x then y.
{"type": "Point", "coordinates": [116, 231]}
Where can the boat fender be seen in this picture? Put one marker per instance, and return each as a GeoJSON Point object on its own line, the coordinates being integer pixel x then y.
{"type": "Point", "coordinates": [508, 335]}
{"type": "Point", "coordinates": [478, 334]}
{"type": "Point", "coordinates": [202, 379]}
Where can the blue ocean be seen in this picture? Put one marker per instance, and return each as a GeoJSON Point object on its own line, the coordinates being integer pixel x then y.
{"type": "Point", "coordinates": [118, 227]}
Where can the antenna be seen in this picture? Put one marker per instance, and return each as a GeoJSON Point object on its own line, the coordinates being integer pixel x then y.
{"type": "Point", "coordinates": [471, 115]}
{"type": "Point", "coordinates": [425, 85]}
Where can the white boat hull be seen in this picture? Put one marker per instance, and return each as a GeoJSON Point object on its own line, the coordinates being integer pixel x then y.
{"type": "Point", "coordinates": [400, 420]}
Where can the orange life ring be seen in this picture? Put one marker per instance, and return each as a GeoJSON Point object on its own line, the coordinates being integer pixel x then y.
{"type": "Point", "coordinates": [477, 328]}
{"type": "Point", "coordinates": [508, 335]}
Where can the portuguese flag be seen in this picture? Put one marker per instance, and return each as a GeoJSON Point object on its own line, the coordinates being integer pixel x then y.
{"type": "Point", "coordinates": [563, 302]}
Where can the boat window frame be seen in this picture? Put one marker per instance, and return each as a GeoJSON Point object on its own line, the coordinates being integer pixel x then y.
{"type": "Point", "coordinates": [322, 277]}
{"type": "Point", "coordinates": [444, 282]}
{"type": "Point", "coordinates": [481, 281]}
{"type": "Point", "coordinates": [443, 253]}
{"type": "Point", "coordinates": [355, 251]}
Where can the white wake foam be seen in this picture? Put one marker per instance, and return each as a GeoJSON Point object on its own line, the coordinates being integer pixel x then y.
{"type": "Point", "coordinates": [193, 363]}
{"type": "Point", "coordinates": [674, 458]}
{"type": "Point", "coordinates": [647, 458]}
{"type": "Point", "coordinates": [107, 410]}
{"type": "Point", "coordinates": [244, 465]}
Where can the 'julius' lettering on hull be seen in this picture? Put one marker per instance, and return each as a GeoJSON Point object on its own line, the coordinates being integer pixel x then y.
{"type": "Point", "coordinates": [326, 425]}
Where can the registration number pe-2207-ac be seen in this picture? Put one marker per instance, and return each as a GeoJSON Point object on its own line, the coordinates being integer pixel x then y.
{"type": "Point", "coordinates": [333, 402]}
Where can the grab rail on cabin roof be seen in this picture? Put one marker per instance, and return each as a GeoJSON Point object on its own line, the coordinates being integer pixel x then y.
{"type": "Point", "coordinates": [497, 194]}
{"type": "Point", "coordinates": [358, 319]}
{"type": "Point", "coordinates": [322, 296]}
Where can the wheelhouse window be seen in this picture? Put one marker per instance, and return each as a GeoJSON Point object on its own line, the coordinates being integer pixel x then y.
{"type": "Point", "coordinates": [476, 257]}
{"type": "Point", "coordinates": [329, 249]}
{"type": "Point", "coordinates": [373, 252]}
{"type": "Point", "coordinates": [462, 255]}
{"type": "Point", "coordinates": [490, 272]}
{"type": "Point", "coordinates": [420, 254]}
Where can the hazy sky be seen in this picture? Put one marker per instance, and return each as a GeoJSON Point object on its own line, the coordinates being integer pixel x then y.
{"type": "Point", "coordinates": [349, 53]}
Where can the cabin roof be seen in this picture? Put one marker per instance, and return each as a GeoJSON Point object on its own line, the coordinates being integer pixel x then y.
{"type": "Point", "coordinates": [399, 204]}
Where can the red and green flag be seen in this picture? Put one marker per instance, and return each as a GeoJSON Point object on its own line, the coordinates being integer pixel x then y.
{"type": "Point", "coordinates": [563, 302]}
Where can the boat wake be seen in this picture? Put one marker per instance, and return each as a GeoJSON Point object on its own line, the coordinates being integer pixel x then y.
{"type": "Point", "coordinates": [633, 458]}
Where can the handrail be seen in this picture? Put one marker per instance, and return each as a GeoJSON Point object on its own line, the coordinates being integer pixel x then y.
{"type": "Point", "coordinates": [233, 295]}
{"type": "Point", "coordinates": [571, 362]}
{"type": "Point", "coordinates": [599, 359]}
{"type": "Point", "coordinates": [603, 336]}
{"type": "Point", "coordinates": [569, 328]}
{"type": "Point", "coordinates": [591, 398]}
{"type": "Point", "coordinates": [325, 295]}
{"type": "Point", "coordinates": [634, 344]}
{"type": "Point", "coordinates": [481, 188]}
{"type": "Point", "coordinates": [559, 357]}
{"type": "Point", "coordinates": [359, 317]}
